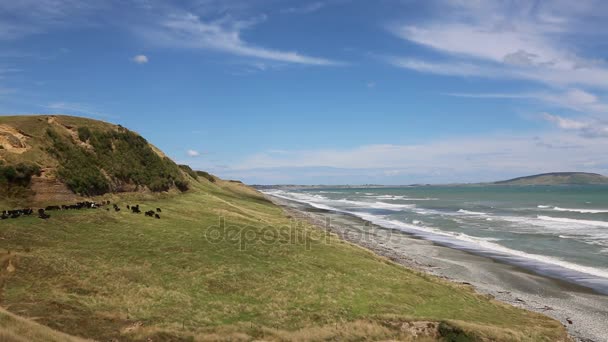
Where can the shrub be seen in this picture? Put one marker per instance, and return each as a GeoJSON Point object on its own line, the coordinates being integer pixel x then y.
{"type": "Point", "coordinates": [15, 180]}
{"type": "Point", "coordinates": [206, 175]}
{"type": "Point", "coordinates": [124, 157]}
{"type": "Point", "coordinates": [84, 134]}
{"type": "Point", "coordinates": [189, 171]}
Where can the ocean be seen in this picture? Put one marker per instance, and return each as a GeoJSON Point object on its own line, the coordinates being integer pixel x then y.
{"type": "Point", "coordinates": [557, 231]}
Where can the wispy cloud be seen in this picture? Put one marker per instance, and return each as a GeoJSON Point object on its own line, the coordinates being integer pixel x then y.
{"type": "Point", "coordinates": [574, 99]}
{"type": "Point", "coordinates": [26, 17]}
{"type": "Point", "coordinates": [77, 109]}
{"type": "Point", "coordinates": [496, 39]}
{"type": "Point", "coordinates": [190, 31]}
{"type": "Point", "coordinates": [305, 9]}
{"type": "Point", "coordinates": [447, 68]}
{"type": "Point", "coordinates": [590, 128]}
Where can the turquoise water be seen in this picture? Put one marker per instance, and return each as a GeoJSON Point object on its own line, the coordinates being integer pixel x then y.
{"type": "Point", "coordinates": [560, 231]}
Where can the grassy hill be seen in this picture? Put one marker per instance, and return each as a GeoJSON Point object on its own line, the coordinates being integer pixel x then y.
{"type": "Point", "coordinates": [45, 158]}
{"type": "Point", "coordinates": [558, 178]}
{"type": "Point", "coordinates": [224, 263]}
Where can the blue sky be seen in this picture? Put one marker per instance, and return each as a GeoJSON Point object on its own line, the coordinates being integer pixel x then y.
{"type": "Point", "coordinates": [327, 91]}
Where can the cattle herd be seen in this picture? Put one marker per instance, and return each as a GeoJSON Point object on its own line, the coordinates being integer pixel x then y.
{"type": "Point", "coordinates": [43, 212]}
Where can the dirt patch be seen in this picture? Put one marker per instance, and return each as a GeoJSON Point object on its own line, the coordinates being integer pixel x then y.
{"type": "Point", "coordinates": [48, 189]}
{"type": "Point", "coordinates": [12, 140]}
{"type": "Point", "coordinates": [71, 130]}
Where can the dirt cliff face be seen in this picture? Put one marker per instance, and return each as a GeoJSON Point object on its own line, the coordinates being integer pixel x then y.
{"type": "Point", "coordinates": [12, 140]}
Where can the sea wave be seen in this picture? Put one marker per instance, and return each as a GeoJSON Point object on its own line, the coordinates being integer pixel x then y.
{"type": "Point", "coordinates": [478, 243]}
{"type": "Point", "coordinates": [468, 212]}
{"type": "Point", "coordinates": [401, 198]}
{"type": "Point", "coordinates": [462, 240]}
{"type": "Point", "coordinates": [573, 221]}
{"type": "Point", "coordinates": [583, 211]}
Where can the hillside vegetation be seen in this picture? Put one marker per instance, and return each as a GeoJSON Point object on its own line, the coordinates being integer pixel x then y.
{"type": "Point", "coordinates": [225, 264]}
{"type": "Point", "coordinates": [89, 157]}
{"type": "Point", "coordinates": [558, 178]}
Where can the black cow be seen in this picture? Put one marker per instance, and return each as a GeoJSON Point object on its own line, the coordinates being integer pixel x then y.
{"type": "Point", "coordinates": [135, 209]}
{"type": "Point", "coordinates": [157, 216]}
{"type": "Point", "coordinates": [43, 215]}
{"type": "Point", "coordinates": [150, 213]}
{"type": "Point", "coordinates": [158, 210]}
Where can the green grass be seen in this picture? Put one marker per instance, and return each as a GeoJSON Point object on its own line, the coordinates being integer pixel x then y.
{"type": "Point", "coordinates": [104, 275]}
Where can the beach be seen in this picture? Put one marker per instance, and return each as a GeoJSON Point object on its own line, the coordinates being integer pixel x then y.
{"type": "Point", "coordinates": [582, 310]}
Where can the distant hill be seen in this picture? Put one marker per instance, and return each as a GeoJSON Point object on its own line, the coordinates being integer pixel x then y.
{"type": "Point", "coordinates": [558, 178]}
{"type": "Point", "coordinates": [61, 158]}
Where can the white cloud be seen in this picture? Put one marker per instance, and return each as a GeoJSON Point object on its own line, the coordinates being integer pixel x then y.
{"type": "Point", "coordinates": [450, 69]}
{"type": "Point", "coordinates": [565, 123]}
{"type": "Point", "coordinates": [190, 31]}
{"type": "Point", "coordinates": [193, 153]}
{"type": "Point", "coordinates": [26, 17]}
{"type": "Point", "coordinates": [447, 160]}
{"type": "Point", "coordinates": [140, 59]}
{"type": "Point", "coordinates": [77, 109]}
{"type": "Point", "coordinates": [574, 99]}
{"type": "Point", "coordinates": [589, 128]}
{"type": "Point", "coordinates": [305, 9]}
{"type": "Point", "coordinates": [517, 41]}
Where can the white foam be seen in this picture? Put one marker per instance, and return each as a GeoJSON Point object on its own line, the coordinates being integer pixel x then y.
{"type": "Point", "coordinates": [401, 198]}
{"type": "Point", "coordinates": [543, 206]}
{"type": "Point", "coordinates": [471, 212]}
{"type": "Point", "coordinates": [485, 244]}
{"type": "Point", "coordinates": [583, 211]}
{"type": "Point", "coordinates": [377, 205]}
{"type": "Point", "coordinates": [573, 221]}
{"type": "Point", "coordinates": [472, 242]}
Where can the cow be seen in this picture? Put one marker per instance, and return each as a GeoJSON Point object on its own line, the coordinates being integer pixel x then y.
{"type": "Point", "coordinates": [150, 213]}
{"type": "Point", "coordinates": [157, 216]}
{"type": "Point", "coordinates": [135, 209]}
{"type": "Point", "coordinates": [158, 210]}
{"type": "Point", "coordinates": [43, 215]}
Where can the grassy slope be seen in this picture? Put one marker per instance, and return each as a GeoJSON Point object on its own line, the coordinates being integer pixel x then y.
{"type": "Point", "coordinates": [103, 275]}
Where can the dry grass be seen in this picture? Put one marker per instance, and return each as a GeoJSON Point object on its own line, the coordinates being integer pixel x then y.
{"type": "Point", "coordinates": [17, 329]}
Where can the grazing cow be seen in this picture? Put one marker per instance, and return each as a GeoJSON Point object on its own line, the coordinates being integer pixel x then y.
{"type": "Point", "coordinates": [52, 207]}
{"type": "Point", "coordinates": [158, 210]}
{"type": "Point", "coordinates": [150, 213]}
{"type": "Point", "coordinates": [128, 207]}
{"type": "Point", "coordinates": [43, 215]}
{"type": "Point", "coordinates": [157, 216]}
{"type": "Point", "coordinates": [116, 208]}
{"type": "Point", "coordinates": [135, 209]}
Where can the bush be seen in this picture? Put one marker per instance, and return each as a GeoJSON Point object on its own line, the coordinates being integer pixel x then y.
{"type": "Point", "coordinates": [206, 175]}
{"type": "Point", "coordinates": [189, 171]}
{"type": "Point", "coordinates": [124, 157]}
{"type": "Point", "coordinates": [84, 134]}
{"type": "Point", "coordinates": [15, 180]}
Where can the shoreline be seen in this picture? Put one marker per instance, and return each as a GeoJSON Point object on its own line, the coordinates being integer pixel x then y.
{"type": "Point", "coordinates": [511, 284]}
